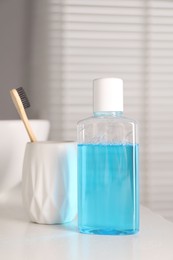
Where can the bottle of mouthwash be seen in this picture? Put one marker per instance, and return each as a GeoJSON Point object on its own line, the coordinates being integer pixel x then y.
{"type": "Point", "coordinates": [108, 168]}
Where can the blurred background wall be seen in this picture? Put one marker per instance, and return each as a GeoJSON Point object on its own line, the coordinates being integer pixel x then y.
{"type": "Point", "coordinates": [14, 44]}
{"type": "Point", "coordinates": [54, 49]}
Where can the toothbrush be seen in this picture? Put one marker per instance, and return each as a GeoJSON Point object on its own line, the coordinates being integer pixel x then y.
{"type": "Point", "coordinates": [21, 102]}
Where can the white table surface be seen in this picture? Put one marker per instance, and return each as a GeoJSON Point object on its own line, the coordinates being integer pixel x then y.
{"type": "Point", "coordinates": [20, 239]}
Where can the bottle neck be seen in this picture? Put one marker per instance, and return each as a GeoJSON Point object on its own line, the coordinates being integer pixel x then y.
{"type": "Point", "coordinates": [108, 113]}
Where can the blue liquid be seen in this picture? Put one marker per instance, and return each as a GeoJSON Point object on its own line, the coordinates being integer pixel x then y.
{"type": "Point", "coordinates": [108, 193]}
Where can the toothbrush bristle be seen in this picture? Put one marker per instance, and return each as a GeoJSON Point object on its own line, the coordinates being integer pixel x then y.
{"type": "Point", "coordinates": [23, 97]}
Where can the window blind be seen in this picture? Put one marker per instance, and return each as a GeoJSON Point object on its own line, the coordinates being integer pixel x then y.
{"type": "Point", "coordinates": [75, 41]}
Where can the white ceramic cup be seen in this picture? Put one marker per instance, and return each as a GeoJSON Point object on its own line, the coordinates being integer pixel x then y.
{"type": "Point", "coordinates": [49, 182]}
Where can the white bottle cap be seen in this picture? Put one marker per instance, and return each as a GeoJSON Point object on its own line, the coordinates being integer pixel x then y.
{"type": "Point", "coordinates": [108, 94]}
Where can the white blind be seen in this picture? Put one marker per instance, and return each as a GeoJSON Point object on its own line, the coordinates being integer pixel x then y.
{"type": "Point", "coordinates": [132, 40]}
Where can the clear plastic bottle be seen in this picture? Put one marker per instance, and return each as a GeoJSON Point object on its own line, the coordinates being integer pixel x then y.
{"type": "Point", "coordinates": [108, 170]}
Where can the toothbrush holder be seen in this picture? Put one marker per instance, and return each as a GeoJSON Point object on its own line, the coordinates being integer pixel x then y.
{"type": "Point", "coordinates": [49, 182]}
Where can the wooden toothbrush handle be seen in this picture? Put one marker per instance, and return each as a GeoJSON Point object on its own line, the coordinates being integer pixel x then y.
{"type": "Point", "coordinates": [27, 125]}
{"type": "Point", "coordinates": [21, 111]}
